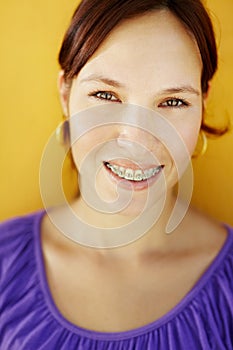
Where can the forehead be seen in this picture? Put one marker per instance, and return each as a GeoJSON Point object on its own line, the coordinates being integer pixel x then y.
{"type": "Point", "coordinates": [147, 46]}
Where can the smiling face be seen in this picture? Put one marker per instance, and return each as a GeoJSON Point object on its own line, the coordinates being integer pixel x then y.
{"type": "Point", "coordinates": [152, 62]}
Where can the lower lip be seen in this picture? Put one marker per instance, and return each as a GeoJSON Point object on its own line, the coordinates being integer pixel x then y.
{"type": "Point", "coordinates": [136, 185]}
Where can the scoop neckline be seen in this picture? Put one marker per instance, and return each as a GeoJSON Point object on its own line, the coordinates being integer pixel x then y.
{"type": "Point", "coordinates": [107, 336]}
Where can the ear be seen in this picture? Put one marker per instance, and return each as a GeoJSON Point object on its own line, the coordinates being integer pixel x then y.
{"type": "Point", "coordinates": [64, 91]}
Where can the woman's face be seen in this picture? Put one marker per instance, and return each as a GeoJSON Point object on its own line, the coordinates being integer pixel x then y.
{"type": "Point", "coordinates": [152, 62]}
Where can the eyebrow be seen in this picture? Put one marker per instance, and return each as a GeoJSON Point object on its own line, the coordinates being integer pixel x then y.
{"type": "Point", "coordinates": [117, 84]}
{"type": "Point", "coordinates": [100, 78]}
{"type": "Point", "coordinates": [181, 89]}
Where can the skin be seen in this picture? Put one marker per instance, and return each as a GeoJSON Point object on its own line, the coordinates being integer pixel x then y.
{"type": "Point", "coordinates": [159, 66]}
{"type": "Point", "coordinates": [158, 267]}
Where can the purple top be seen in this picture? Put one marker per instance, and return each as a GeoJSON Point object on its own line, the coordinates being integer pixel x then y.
{"type": "Point", "coordinates": [29, 319]}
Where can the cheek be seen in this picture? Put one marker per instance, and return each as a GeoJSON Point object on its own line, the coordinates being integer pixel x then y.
{"type": "Point", "coordinates": [190, 137]}
{"type": "Point", "coordinates": [188, 129]}
{"type": "Point", "coordinates": [88, 144]}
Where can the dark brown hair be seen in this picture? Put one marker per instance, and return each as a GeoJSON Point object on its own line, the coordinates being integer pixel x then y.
{"type": "Point", "coordinates": [93, 20]}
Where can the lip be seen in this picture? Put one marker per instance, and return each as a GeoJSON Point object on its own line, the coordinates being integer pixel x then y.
{"type": "Point", "coordinates": [129, 184]}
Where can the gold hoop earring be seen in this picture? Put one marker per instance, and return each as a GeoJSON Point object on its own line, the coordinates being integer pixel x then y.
{"type": "Point", "coordinates": [203, 149]}
{"type": "Point", "coordinates": [59, 133]}
{"type": "Point", "coordinates": [62, 133]}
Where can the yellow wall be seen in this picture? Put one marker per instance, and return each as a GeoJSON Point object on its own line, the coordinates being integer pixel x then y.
{"type": "Point", "coordinates": [214, 172]}
{"type": "Point", "coordinates": [31, 33]}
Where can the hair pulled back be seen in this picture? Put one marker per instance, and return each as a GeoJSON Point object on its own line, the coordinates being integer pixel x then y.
{"type": "Point", "coordinates": [93, 20]}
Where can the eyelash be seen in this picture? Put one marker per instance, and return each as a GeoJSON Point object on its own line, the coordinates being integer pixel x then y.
{"type": "Point", "coordinates": [179, 102]}
{"type": "Point", "coordinates": [109, 93]}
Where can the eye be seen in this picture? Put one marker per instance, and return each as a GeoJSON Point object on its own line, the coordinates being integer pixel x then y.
{"type": "Point", "coordinates": [174, 103]}
{"type": "Point", "coordinates": [105, 95]}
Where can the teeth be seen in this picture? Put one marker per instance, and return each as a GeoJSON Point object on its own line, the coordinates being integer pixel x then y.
{"type": "Point", "coordinates": [130, 174]}
{"type": "Point", "coordinates": [114, 169]}
{"type": "Point", "coordinates": [148, 173]}
{"type": "Point", "coordinates": [121, 172]}
{"type": "Point", "coordinates": [138, 175]}
{"type": "Point", "coordinates": [156, 170]}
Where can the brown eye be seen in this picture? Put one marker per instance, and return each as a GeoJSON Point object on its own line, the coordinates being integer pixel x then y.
{"type": "Point", "coordinates": [106, 96]}
{"type": "Point", "coordinates": [174, 102]}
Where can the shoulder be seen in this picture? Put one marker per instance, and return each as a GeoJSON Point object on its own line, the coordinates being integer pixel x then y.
{"type": "Point", "coordinates": [12, 228]}
{"type": "Point", "coordinates": [210, 300]}
{"type": "Point", "coordinates": [215, 244]}
{"type": "Point", "coordinates": [217, 295]}
{"type": "Point", "coordinates": [206, 235]}
{"type": "Point", "coordinates": [16, 234]}
{"type": "Point", "coordinates": [211, 245]}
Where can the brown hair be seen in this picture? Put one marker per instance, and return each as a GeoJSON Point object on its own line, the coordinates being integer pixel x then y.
{"type": "Point", "coordinates": [93, 20]}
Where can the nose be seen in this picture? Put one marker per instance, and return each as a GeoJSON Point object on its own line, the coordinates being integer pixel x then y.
{"type": "Point", "coordinates": [137, 142]}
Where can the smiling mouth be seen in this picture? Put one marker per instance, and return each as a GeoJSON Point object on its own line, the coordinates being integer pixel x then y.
{"type": "Point", "coordinates": [137, 175]}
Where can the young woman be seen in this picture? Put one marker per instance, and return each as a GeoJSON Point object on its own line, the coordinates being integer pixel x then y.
{"type": "Point", "coordinates": [145, 65]}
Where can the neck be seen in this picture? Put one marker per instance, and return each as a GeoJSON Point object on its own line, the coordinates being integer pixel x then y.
{"type": "Point", "coordinates": [151, 236]}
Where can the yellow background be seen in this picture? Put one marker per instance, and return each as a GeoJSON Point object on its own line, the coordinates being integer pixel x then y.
{"type": "Point", "coordinates": [31, 34]}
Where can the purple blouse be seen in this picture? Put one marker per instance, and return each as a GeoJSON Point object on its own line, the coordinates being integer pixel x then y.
{"type": "Point", "coordinates": [29, 319]}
